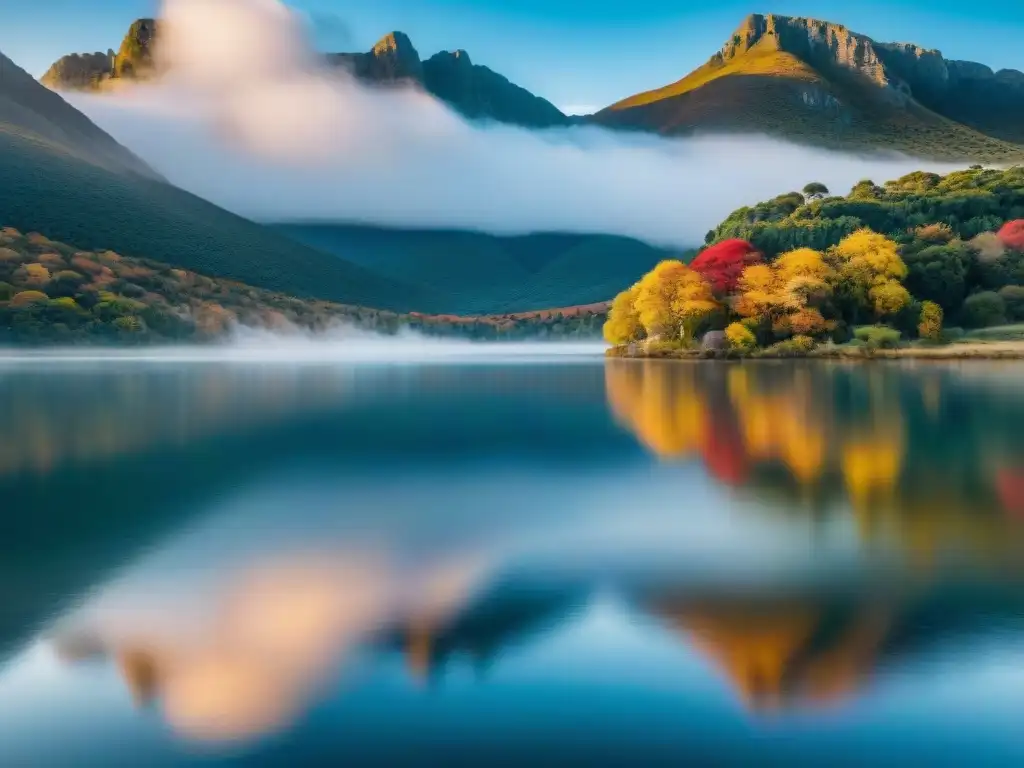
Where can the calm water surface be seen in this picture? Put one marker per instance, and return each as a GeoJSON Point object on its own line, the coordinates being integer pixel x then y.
{"type": "Point", "coordinates": [539, 560]}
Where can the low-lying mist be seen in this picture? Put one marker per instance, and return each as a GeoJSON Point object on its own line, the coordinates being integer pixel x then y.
{"type": "Point", "coordinates": [338, 345]}
{"type": "Point", "coordinates": [252, 119]}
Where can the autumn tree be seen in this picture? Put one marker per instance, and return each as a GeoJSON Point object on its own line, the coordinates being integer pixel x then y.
{"type": "Point", "coordinates": [723, 263]}
{"type": "Point", "coordinates": [869, 270]}
{"type": "Point", "coordinates": [656, 296]}
{"type": "Point", "coordinates": [623, 325]}
{"type": "Point", "coordinates": [1012, 235]}
{"type": "Point", "coordinates": [694, 302]}
{"type": "Point", "coordinates": [930, 325]}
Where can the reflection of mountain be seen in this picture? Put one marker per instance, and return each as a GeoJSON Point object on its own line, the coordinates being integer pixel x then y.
{"type": "Point", "coordinates": [921, 458]}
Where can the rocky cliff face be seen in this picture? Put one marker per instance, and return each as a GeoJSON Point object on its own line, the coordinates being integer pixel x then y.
{"type": "Point", "coordinates": [92, 71]}
{"type": "Point", "coordinates": [900, 70]}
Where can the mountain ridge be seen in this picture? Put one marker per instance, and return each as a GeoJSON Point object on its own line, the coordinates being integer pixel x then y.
{"type": "Point", "coordinates": [776, 72]}
{"type": "Point", "coordinates": [473, 90]}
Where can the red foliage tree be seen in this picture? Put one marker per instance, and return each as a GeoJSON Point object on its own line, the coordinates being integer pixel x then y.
{"type": "Point", "coordinates": [723, 263]}
{"type": "Point", "coordinates": [1012, 235]}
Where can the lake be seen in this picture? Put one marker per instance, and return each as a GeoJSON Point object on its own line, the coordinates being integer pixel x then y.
{"type": "Point", "coordinates": [523, 556]}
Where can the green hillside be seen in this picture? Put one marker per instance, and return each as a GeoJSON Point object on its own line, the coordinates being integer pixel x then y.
{"type": "Point", "coordinates": [63, 176]}
{"type": "Point", "coordinates": [472, 272]}
{"type": "Point", "coordinates": [54, 293]}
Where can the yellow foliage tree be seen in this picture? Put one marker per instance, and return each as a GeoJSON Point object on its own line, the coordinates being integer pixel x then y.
{"type": "Point", "coordinates": [759, 295]}
{"type": "Point", "coordinates": [694, 302]}
{"type": "Point", "coordinates": [930, 325]}
{"type": "Point", "coordinates": [623, 325]}
{"type": "Point", "coordinates": [655, 296]}
{"type": "Point", "coordinates": [889, 297]}
{"type": "Point", "coordinates": [870, 266]}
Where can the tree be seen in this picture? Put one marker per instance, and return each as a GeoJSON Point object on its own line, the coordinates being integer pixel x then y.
{"type": "Point", "coordinates": [930, 325]}
{"type": "Point", "coordinates": [939, 273]}
{"type": "Point", "coordinates": [815, 190]}
{"type": "Point", "coordinates": [694, 302]}
{"type": "Point", "coordinates": [868, 271]}
{"type": "Point", "coordinates": [759, 296]}
{"type": "Point", "coordinates": [1012, 295]}
{"type": "Point", "coordinates": [656, 295]}
{"type": "Point", "coordinates": [888, 298]}
{"type": "Point", "coordinates": [1012, 235]}
{"type": "Point", "coordinates": [623, 325]}
{"type": "Point", "coordinates": [723, 263]}
{"type": "Point", "coordinates": [982, 310]}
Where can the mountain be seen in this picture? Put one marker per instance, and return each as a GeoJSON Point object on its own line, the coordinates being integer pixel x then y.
{"type": "Point", "coordinates": [64, 176]}
{"type": "Point", "coordinates": [820, 83]}
{"type": "Point", "coordinates": [476, 273]}
{"type": "Point", "coordinates": [473, 90]}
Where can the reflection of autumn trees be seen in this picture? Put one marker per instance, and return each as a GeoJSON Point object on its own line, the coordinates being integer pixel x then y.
{"type": "Point", "coordinates": [915, 460]}
{"type": "Point", "coordinates": [776, 654]}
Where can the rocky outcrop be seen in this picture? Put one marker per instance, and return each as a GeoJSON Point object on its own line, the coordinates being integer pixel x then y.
{"type": "Point", "coordinates": [819, 43]}
{"type": "Point", "coordinates": [393, 59]}
{"type": "Point", "coordinates": [93, 71]}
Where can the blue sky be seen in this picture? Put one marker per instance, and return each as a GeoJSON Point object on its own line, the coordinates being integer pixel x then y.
{"type": "Point", "coordinates": [577, 53]}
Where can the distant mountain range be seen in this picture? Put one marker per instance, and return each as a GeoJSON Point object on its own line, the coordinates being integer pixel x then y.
{"type": "Point", "coordinates": [810, 81]}
{"type": "Point", "coordinates": [473, 90]}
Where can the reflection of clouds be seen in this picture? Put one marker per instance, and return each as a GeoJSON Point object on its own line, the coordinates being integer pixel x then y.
{"type": "Point", "coordinates": [276, 635]}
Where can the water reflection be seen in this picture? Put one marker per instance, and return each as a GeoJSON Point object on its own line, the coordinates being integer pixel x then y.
{"type": "Point", "coordinates": [326, 557]}
{"type": "Point", "coordinates": [921, 458]}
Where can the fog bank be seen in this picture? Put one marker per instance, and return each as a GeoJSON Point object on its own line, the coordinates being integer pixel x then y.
{"type": "Point", "coordinates": [252, 120]}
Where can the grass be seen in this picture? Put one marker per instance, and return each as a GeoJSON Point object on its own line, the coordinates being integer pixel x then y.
{"type": "Point", "coordinates": [997, 333]}
{"type": "Point", "coordinates": [761, 60]}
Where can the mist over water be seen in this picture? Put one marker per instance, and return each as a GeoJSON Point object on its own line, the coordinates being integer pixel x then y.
{"type": "Point", "coordinates": [252, 120]}
{"type": "Point", "coordinates": [251, 346]}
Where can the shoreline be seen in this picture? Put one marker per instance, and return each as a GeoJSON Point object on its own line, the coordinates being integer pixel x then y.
{"type": "Point", "coordinates": [995, 350]}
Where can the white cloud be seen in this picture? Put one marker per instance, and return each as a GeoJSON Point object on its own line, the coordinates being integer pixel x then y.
{"type": "Point", "coordinates": [252, 121]}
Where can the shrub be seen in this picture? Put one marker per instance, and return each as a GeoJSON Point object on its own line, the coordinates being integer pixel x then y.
{"type": "Point", "coordinates": [798, 346]}
{"type": "Point", "coordinates": [740, 337]}
{"type": "Point", "coordinates": [128, 324]}
{"type": "Point", "coordinates": [878, 336]}
{"type": "Point", "coordinates": [984, 309]}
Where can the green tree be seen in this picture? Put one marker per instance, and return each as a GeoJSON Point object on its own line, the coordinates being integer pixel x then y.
{"type": "Point", "coordinates": [815, 190]}
{"type": "Point", "coordinates": [983, 310]}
